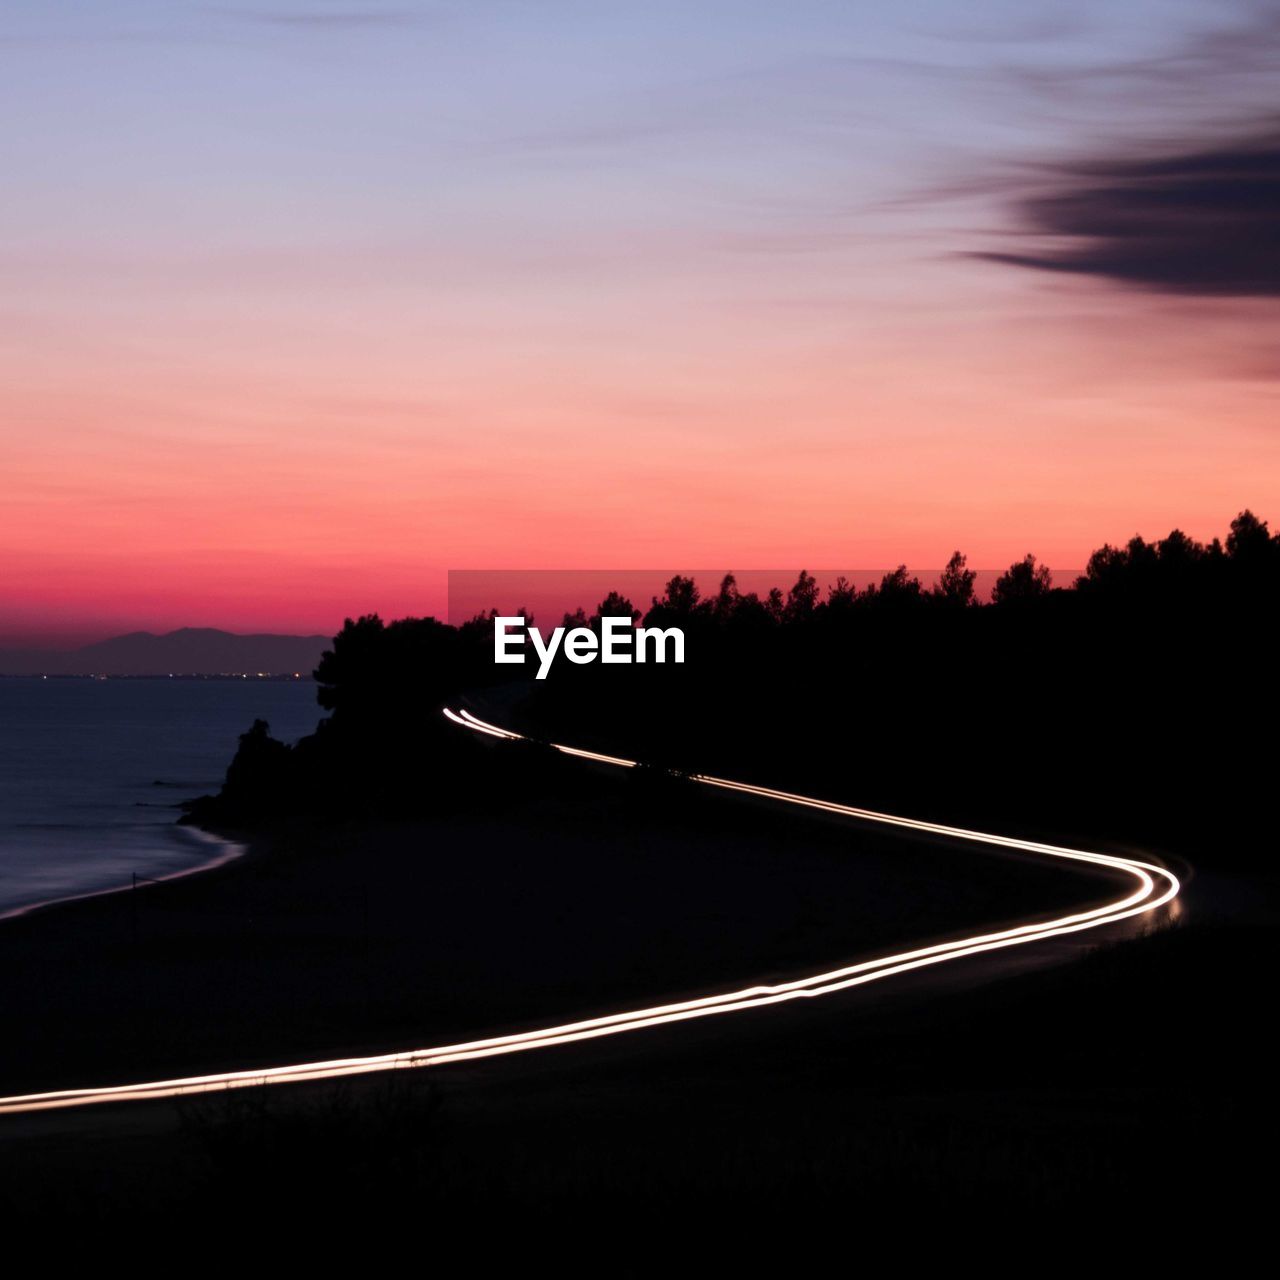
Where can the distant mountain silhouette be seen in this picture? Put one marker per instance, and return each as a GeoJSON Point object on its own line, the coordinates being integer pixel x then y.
{"type": "Point", "coordinates": [189, 651]}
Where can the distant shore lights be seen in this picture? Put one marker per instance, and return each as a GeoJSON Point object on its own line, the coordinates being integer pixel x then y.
{"type": "Point", "coordinates": [618, 640]}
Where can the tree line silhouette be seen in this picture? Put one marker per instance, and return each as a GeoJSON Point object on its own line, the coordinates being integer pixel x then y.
{"type": "Point", "coordinates": [1139, 702]}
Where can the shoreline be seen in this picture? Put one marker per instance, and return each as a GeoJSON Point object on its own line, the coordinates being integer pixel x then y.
{"type": "Point", "coordinates": [230, 849]}
{"type": "Point", "coordinates": [365, 939]}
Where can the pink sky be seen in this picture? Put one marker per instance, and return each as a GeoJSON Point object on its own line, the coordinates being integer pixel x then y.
{"type": "Point", "coordinates": [274, 363]}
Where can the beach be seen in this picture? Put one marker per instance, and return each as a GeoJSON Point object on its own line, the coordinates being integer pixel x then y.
{"type": "Point", "coordinates": [1000, 1083]}
{"type": "Point", "coordinates": [92, 772]}
{"type": "Point", "coordinates": [966, 1090]}
{"type": "Point", "coordinates": [328, 941]}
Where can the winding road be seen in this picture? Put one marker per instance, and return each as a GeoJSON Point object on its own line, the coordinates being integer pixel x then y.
{"type": "Point", "coordinates": [1152, 887]}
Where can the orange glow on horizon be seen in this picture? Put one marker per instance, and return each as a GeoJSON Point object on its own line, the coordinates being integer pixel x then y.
{"type": "Point", "coordinates": [262, 509]}
{"type": "Point", "coordinates": [302, 315]}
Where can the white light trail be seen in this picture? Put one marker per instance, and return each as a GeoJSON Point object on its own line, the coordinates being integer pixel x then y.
{"type": "Point", "coordinates": [1154, 886]}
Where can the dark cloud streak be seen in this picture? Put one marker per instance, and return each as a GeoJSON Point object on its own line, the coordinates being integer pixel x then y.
{"type": "Point", "coordinates": [1190, 204]}
{"type": "Point", "coordinates": [1203, 221]}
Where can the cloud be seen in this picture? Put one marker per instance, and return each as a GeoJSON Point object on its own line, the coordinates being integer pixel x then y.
{"type": "Point", "coordinates": [1204, 220]}
{"type": "Point", "coordinates": [1184, 197]}
{"type": "Point", "coordinates": [1231, 67]}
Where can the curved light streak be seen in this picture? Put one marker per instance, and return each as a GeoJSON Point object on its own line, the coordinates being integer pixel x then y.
{"type": "Point", "coordinates": [1154, 886]}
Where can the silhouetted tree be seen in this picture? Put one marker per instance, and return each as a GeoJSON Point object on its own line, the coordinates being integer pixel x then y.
{"type": "Point", "coordinates": [614, 606]}
{"type": "Point", "coordinates": [1179, 552]}
{"type": "Point", "coordinates": [751, 614]}
{"type": "Point", "coordinates": [955, 586]}
{"type": "Point", "coordinates": [259, 775]}
{"type": "Point", "coordinates": [1023, 581]}
{"type": "Point", "coordinates": [679, 600]}
{"type": "Point", "coordinates": [352, 659]}
{"type": "Point", "coordinates": [841, 597]}
{"type": "Point", "coordinates": [1249, 539]}
{"type": "Point", "coordinates": [898, 589]}
{"type": "Point", "coordinates": [1169, 639]}
{"type": "Point", "coordinates": [802, 599]}
{"type": "Point", "coordinates": [394, 677]}
{"type": "Point", "coordinates": [726, 601]}
{"type": "Point", "coordinates": [475, 648]}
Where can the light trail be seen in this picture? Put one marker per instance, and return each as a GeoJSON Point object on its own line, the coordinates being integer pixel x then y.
{"type": "Point", "coordinates": [1154, 887]}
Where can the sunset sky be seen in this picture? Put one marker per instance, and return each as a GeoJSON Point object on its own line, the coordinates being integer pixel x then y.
{"type": "Point", "coordinates": [304, 305]}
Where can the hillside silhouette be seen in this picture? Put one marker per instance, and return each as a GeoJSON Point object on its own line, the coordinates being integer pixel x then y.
{"type": "Point", "coordinates": [187, 651]}
{"type": "Point", "coordinates": [1135, 703]}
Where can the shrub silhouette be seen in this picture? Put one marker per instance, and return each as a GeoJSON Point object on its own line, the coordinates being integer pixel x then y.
{"type": "Point", "coordinates": [1023, 581]}
{"type": "Point", "coordinates": [955, 586]}
{"type": "Point", "coordinates": [1154, 665]}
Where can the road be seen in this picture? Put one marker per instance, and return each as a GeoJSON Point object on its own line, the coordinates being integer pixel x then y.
{"type": "Point", "coordinates": [1152, 887]}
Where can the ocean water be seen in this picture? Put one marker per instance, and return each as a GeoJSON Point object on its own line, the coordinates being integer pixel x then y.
{"type": "Point", "coordinates": [91, 772]}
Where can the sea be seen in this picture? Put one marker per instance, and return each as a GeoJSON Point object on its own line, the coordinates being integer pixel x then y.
{"type": "Point", "coordinates": [92, 772]}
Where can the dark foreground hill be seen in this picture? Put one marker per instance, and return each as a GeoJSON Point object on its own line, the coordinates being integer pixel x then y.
{"type": "Point", "coordinates": [1136, 707]}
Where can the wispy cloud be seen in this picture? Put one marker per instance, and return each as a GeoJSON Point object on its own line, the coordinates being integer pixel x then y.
{"type": "Point", "coordinates": [1199, 221]}
{"type": "Point", "coordinates": [1182, 195]}
{"type": "Point", "coordinates": [1228, 68]}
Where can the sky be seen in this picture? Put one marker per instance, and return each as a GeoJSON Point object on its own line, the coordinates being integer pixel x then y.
{"type": "Point", "coordinates": [306, 304]}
